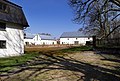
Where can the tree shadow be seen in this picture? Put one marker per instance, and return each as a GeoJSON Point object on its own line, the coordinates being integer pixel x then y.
{"type": "Point", "coordinates": [91, 72]}
{"type": "Point", "coordinates": [113, 60]}
{"type": "Point", "coordinates": [109, 56]}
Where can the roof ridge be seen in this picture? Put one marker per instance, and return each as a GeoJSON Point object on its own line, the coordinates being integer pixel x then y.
{"type": "Point", "coordinates": [12, 3]}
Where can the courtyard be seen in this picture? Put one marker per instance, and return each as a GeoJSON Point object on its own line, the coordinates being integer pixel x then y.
{"type": "Point", "coordinates": [63, 64]}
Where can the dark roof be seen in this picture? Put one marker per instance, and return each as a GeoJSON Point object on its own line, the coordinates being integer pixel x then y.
{"type": "Point", "coordinates": [13, 14]}
{"type": "Point", "coordinates": [75, 34]}
{"type": "Point", "coordinates": [46, 37]}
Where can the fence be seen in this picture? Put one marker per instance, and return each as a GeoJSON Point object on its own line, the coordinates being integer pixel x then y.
{"type": "Point", "coordinates": [114, 42]}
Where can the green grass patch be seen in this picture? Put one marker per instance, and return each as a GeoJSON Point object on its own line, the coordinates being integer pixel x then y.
{"type": "Point", "coordinates": [10, 63]}
{"type": "Point", "coordinates": [75, 49]}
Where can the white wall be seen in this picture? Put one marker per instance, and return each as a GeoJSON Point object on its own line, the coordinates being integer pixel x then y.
{"type": "Point", "coordinates": [30, 41]}
{"type": "Point", "coordinates": [81, 40]}
{"type": "Point", "coordinates": [14, 37]}
{"type": "Point", "coordinates": [39, 41]}
{"type": "Point", "coordinates": [48, 42]}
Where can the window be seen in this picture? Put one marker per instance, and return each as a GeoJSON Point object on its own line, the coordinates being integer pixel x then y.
{"type": "Point", "coordinates": [2, 26]}
{"type": "Point", "coordinates": [76, 42]}
{"type": "Point", "coordinates": [2, 6]}
{"type": "Point", "coordinates": [27, 43]}
{"type": "Point", "coordinates": [76, 38]}
{"type": "Point", "coordinates": [2, 44]}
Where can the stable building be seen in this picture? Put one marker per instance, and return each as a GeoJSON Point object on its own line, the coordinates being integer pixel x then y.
{"type": "Point", "coordinates": [44, 39]}
{"type": "Point", "coordinates": [75, 38]}
{"type": "Point", "coordinates": [12, 24]}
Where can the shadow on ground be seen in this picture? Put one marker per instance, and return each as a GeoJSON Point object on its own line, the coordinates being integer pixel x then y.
{"type": "Point", "coordinates": [50, 62]}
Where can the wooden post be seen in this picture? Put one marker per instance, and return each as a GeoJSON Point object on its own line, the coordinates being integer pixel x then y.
{"type": "Point", "coordinates": [94, 41]}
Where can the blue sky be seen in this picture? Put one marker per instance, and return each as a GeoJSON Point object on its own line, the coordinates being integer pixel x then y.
{"type": "Point", "coordinates": [48, 16]}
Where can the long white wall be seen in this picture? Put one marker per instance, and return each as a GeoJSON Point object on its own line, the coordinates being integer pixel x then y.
{"type": "Point", "coordinates": [81, 40]}
{"type": "Point", "coordinates": [48, 42]}
{"type": "Point", "coordinates": [14, 37]}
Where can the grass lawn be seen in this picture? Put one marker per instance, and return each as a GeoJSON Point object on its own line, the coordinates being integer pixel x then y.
{"type": "Point", "coordinates": [10, 63]}
{"type": "Point", "coordinates": [74, 49]}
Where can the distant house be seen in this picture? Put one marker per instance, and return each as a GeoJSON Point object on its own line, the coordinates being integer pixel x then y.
{"type": "Point", "coordinates": [44, 39]}
{"type": "Point", "coordinates": [12, 23]}
{"type": "Point", "coordinates": [39, 39]}
{"type": "Point", "coordinates": [28, 40]}
{"type": "Point", "coordinates": [76, 38]}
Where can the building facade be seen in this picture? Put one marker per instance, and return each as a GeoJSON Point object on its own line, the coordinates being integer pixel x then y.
{"type": "Point", "coordinates": [29, 39]}
{"type": "Point", "coordinates": [75, 38]}
{"type": "Point", "coordinates": [43, 39]}
{"type": "Point", "coordinates": [40, 39]}
{"type": "Point", "coordinates": [12, 23]}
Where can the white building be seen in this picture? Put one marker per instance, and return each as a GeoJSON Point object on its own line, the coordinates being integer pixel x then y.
{"type": "Point", "coordinates": [40, 39]}
{"type": "Point", "coordinates": [76, 38]}
{"type": "Point", "coordinates": [12, 23]}
{"type": "Point", "coordinates": [44, 39]}
{"type": "Point", "coordinates": [29, 39]}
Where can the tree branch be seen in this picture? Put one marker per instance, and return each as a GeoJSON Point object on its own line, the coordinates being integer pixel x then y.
{"type": "Point", "coordinates": [110, 10]}
{"type": "Point", "coordinates": [112, 30]}
{"type": "Point", "coordinates": [116, 16]}
{"type": "Point", "coordinates": [116, 2]}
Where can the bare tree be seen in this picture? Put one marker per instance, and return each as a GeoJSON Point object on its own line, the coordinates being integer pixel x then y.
{"type": "Point", "coordinates": [96, 15]}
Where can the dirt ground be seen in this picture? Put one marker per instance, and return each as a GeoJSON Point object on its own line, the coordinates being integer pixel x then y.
{"type": "Point", "coordinates": [77, 66]}
{"type": "Point", "coordinates": [46, 48]}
